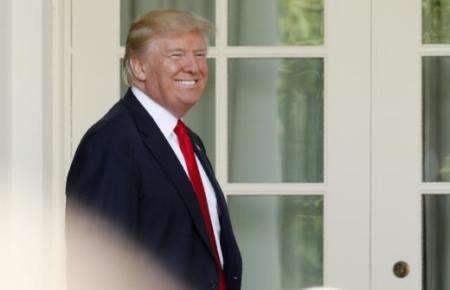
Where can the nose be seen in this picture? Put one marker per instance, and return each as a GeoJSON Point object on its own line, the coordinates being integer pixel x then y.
{"type": "Point", "coordinates": [191, 65]}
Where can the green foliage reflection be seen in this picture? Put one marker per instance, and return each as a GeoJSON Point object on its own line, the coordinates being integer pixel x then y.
{"type": "Point", "coordinates": [436, 21]}
{"type": "Point", "coordinates": [302, 242]}
{"type": "Point", "coordinates": [301, 22]}
{"type": "Point", "coordinates": [300, 93]}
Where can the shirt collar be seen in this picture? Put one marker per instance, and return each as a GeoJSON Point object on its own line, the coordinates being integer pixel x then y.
{"type": "Point", "coordinates": [163, 118]}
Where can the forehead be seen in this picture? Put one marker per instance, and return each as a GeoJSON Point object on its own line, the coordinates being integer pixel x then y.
{"type": "Point", "coordinates": [184, 41]}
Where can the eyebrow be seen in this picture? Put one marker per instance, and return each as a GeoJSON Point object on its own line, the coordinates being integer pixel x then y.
{"type": "Point", "coordinates": [183, 49]}
{"type": "Point", "coordinates": [174, 50]}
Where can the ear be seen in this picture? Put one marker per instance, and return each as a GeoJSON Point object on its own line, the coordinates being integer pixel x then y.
{"type": "Point", "coordinates": [138, 68]}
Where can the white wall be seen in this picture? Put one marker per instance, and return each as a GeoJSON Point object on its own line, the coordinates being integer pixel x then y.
{"type": "Point", "coordinates": [25, 111]}
{"type": "Point", "coordinates": [4, 126]}
{"type": "Point", "coordinates": [4, 100]}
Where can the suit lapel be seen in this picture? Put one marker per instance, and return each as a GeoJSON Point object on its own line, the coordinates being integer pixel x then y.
{"type": "Point", "coordinates": [163, 153]}
{"type": "Point", "coordinates": [201, 154]}
{"type": "Point", "coordinates": [228, 243]}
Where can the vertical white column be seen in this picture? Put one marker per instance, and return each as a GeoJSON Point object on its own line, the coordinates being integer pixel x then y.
{"type": "Point", "coordinates": [4, 95]}
{"type": "Point", "coordinates": [347, 127]}
{"type": "Point", "coordinates": [4, 129]}
{"type": "Point", "coordinates": [26, 202]}
{"type": "Point", "coordinates": [56, 35]}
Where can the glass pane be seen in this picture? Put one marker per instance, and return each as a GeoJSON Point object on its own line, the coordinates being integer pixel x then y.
{"type": "Point", "coordinates": [436, 233]}
{"type": "Point", "coordinates": [436, 21]}
{"type": "Point", "coordinates": [436, 118]}
{"type": "Point", "coordinates": [269, 22]}
{"type": "Point", "coordinates": [281, 240]}
{"type": "Point", "coordinates": [201, 118]}
{"type": "Point", "coordinates": [131, 9]}
{"type": "Point", "coordinates": [275, 120]}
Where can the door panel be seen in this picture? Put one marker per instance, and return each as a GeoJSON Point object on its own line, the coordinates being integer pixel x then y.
{"type": "Point", "coordinates": [396, 200]}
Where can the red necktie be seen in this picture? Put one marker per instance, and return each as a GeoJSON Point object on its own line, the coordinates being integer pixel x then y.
{"type": "Point", "coordinates": [196, 181]}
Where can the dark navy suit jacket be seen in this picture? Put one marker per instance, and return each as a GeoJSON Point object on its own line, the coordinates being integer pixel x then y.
{"type": "Point", "coordinates": [125, 170]}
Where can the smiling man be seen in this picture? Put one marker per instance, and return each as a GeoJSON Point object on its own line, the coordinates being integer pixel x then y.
{"type": "Point", "coordinates": [142, 169]}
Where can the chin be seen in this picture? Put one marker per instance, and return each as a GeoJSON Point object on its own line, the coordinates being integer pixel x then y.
{"type": "Point", "coordinates": [191, 100]}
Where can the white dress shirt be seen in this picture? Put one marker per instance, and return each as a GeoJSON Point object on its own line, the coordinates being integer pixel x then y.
{"type": "Point", "coordinates": [166, 123]}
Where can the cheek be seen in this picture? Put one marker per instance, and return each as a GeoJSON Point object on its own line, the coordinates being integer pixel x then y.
{"type": "Point", "coordinates": [171, 69]}
{"type": "Point", "coordinates": [204, 65]}
{"type": "Point", "coordinates": [204, 70]}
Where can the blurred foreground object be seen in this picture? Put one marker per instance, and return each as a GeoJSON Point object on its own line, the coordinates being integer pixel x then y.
{"type": "Point", "coordinates": [100, 257]}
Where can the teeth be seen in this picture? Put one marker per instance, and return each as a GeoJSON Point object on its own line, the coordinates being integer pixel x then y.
{"type": "Point", "coordinates": [187, 82]}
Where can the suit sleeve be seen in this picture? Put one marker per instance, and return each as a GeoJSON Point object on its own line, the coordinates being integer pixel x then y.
{"type": "Point", "coordinates": [103, 179]}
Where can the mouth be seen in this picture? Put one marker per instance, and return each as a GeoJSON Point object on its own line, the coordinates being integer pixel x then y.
{"type": "Point", "coordinates": [186, 83]}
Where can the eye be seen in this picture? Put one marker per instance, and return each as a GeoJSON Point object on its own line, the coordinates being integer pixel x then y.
{"type": "Point", "coordinates": [176, 55]}
{"type": "Point", "coordinates": [201, 54]}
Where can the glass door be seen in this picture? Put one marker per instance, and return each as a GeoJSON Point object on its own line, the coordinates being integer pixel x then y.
{"type": "Point", "coordinates": [411, 145]}
{"type": "Point", "coordinates": [286, 122]}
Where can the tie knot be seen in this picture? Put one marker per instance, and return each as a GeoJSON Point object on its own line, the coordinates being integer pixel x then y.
{"type": "Point", "coordinates": [180, 129]}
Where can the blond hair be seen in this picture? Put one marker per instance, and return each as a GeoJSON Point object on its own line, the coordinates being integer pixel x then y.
{"type": "Point", "coordinates": [159, 23]}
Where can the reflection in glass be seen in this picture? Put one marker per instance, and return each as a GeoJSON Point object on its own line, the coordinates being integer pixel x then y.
{"type": "Point", "coordinates": [436, 118]}
{"type": "Point", "coordinates": [269, 22]}
{"type": "Point", "coordinates": [436, 242]}
{"type": "Point", "coordinates": [281, 240]}
{"type": "Point", "coordinates": [201, 118]}
{"type": "Point", "coordinates": [131, 9]}
{"type": "Point", "coordinates": [436, 21]}
{"type": "Point", "coordinates": [275, 120]}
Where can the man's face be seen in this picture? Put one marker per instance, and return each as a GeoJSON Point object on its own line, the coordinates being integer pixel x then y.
{"type": "Point", "coordinates": [175, 72]}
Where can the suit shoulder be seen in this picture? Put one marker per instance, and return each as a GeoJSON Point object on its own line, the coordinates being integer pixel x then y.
{"type": "Point", "coordinates": [115, 128]}
{"type": "Point", "coordinates": [116, 122]}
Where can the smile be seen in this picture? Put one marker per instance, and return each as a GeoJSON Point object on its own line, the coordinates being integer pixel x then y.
{"type": "Point", "coordinates": [186, 83]}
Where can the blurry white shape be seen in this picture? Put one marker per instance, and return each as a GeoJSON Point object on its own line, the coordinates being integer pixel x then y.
{"type": "Point", "coordinates": [101, 257]}
{"type": "Point", "coordinates": [22, 243]}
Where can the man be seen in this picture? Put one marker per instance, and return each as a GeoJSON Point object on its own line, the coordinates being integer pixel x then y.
{"type": "Point", "coordinates": [142, 169]}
